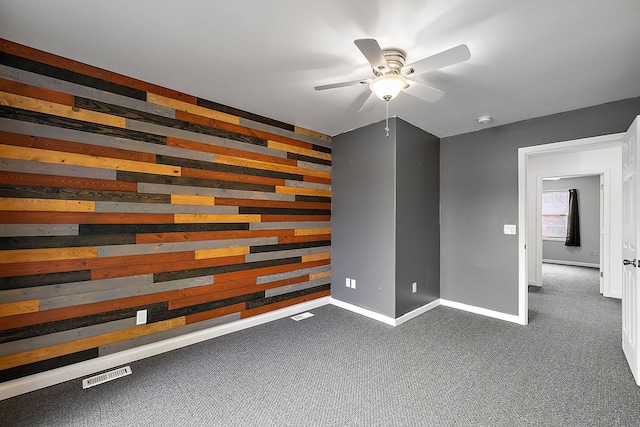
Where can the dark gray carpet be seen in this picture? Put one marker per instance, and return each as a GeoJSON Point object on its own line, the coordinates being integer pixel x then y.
{"type": "Point", "coordinates": [444, 368]}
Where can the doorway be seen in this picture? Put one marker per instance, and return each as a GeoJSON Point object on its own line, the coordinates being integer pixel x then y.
{"type": "Point", "coordinates": [590, 156]}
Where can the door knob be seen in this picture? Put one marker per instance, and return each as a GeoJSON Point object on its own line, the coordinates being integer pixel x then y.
{"type": "Point", "coordinates": [627, 262]}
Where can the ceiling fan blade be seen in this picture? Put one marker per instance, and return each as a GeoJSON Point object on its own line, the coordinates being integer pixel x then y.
{"type": "Point", "coordinates": [443, 59]}
{"type": "Point", "coordinates": [372, 51]}
{"type": "Point", "coordinates": [343, 84]}
{"type": "Point", "coordinates": [423, 92]}
{"type": "Point", "coordinates": [369, 103]}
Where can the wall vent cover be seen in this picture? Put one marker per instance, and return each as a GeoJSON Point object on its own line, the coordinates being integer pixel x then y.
{"type": "Point", "coordinates": [107, 376]}
{"type": "Point", "coordinates": [302, 316]}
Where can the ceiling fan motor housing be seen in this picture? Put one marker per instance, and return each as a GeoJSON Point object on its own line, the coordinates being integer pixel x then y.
{"type": "Point", "coordinates": [395, 58]}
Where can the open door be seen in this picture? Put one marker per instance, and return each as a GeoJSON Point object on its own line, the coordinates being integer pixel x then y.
{"type": "Point", "coordinates": [631, 219]}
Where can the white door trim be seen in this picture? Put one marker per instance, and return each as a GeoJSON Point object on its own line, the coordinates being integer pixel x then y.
{"type": "Point", "coordinates": [525, 154]}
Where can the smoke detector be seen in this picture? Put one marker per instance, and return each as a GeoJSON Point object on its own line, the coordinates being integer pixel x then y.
{"type": "Point", "coordinates": [484, 120]}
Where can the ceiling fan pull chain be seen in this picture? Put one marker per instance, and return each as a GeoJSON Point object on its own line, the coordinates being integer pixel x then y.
{"type": "Point", "coordinates": [387, 122]}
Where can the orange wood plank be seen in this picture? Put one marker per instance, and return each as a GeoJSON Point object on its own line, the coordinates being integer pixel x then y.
{"type": "Point", "coordinates": [233, 177]}
{"type": "Point", "coordinates": [311, 231]}
{"type": "Point", "coordinates": [9, 138]}
{"type": "Point", "coordinates": [271, 166]}
{"type": "Point", "coordinates": [163, 267]}
{"type": "Point", "coordinates": [299, 150]}
{"type": "Point", "coordinates": [316, 179]}
{"type": "Point", "coordinates": [220, 252]}
{"type": "Point", "coordinates": [188, 107]}
{"type": "Point", "coordinates": [232, 152]}
{"type": "Point", "coordinates": [36, 92]}
{"type": "Point", "coordinates": [83, 218]}
{"type": "Point", "coordinates": [205, 315]}
{"type": "Point", "coordinates": [47, 254]}
{"type": "Point", "coordinates": [50, 205]}
{"type": "Point", "coordinates": [187, 199]}
{"type": "Point", "coordinates": [313, 134]}
{"type": "Point", "coordinates": [222, 201]}
{"type": "Point", "coordinates": [27, 179]}
{"type": "Point", "coordinates": [315, 257]}
{"type": "Point", "coordinates": [286, 303]}
{"type": "Point", "coordinates": [213, 218]}
{"type": "Point", "coordinates": [213, 288]}
{"type": "Point", "coordinates": [321, 275]}
{"type": "Point", "coordinates": [13, 308]}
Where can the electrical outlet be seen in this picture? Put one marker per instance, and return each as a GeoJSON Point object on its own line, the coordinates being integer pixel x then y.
{"type": "Point", "coordinates": [414, 287]}
{"type": "Point", "coordinates": [348, 282]}
{"type": "Point", "coordinates": [141, 317]}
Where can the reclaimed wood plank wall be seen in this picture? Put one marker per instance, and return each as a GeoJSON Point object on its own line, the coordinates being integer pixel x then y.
{"type": "Point", "coordinates": [118, 195]}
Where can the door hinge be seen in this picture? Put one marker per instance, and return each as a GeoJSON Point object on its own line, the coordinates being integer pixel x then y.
{"type": "Point", "coordinates": [602, 274]}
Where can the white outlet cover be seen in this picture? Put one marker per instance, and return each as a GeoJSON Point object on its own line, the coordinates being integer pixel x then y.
{"type": "Point", "coordinates": [348, 282]}
{"type": "Point", "coordinates": [141, 317]}
{"type": "Point", "coordinates": [353, 283]}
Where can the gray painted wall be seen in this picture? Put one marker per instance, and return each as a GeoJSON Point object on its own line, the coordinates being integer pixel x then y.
{"type": "Point", "coordinates": [385, 218]}
{"type": "Point", "coordinates": [479, 194]}
{"type": "Point", "coordinates": [363, 218]}
{"type": "Point", "coordinates": [417, 217]}
{"type": "Point", "coordinates": [589, 211]}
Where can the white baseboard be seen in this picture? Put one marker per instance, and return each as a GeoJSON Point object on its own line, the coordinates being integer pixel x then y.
{"type": "Point", "coordinates": [482, 311]}
{"type": "Point", "coordinates": [381, 317]}
{"type": "Point", "coordinates": [364, 312]}
{"type": "Point", "coordinates": [55, 376]}
{"type": "Point", "coordinates": [574, 263]}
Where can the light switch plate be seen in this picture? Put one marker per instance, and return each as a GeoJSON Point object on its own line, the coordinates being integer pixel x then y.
{"type": "Point", "coordinates": [509, 229]}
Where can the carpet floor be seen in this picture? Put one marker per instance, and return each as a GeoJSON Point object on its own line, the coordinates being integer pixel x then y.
{"type": "Point", "coordinates": [444, 368]}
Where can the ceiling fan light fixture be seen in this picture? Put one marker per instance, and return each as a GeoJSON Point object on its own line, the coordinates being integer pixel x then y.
{"type": "Point", "coordinates": [388, 86]}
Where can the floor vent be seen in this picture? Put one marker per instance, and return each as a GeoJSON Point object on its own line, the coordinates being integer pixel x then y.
{"type": "Point", "coordinates": [301, 316]}
{"type": "Point", "coordinates": [107, 376]}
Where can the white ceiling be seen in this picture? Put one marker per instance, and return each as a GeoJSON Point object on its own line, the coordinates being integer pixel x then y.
{"type": "Point", "coordinates": [528, 58]}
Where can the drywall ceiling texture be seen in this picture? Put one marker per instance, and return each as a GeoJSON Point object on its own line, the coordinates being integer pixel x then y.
{"type": "Point", "coordinates": [528, 59]}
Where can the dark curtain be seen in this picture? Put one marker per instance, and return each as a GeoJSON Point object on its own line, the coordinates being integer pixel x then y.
{"type": "Point", "coordinates": [573, 220]}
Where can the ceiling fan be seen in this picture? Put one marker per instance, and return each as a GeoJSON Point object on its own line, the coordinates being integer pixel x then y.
{"type": "Point", "coordinates": [391, 75]}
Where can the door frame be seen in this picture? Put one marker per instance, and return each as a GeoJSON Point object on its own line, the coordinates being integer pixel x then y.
{"type": "Point", "coordinates": [525, 179]}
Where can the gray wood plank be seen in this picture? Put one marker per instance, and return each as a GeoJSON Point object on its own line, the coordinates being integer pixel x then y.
{"type": "Point", "coordinates": [46, 82]}
{"type": "Point", "coordinates": [26, 166]}
{"type": "Point", "coordinates": [111, 294]}
{"type": "Point", "coordinates": [283, 132]}
{"type": "Point", "coordinates": [72, 288]}
{"type": "Point", "coordinates": [292, 288]}
{"type": "Point", "coordinates": [35, 129]}
{"type": "Point", "coordinates": [304, 184]}
{"type": "Point", "coordinates": [162, 208]}
{"type": "Point", "coordinates": [314, 166]}
{"type": "Point", "coordinates": [144, 187]}
{"type": "Point", "coordinates": [199, 137]}
{"type": "Point", "coordinates": [169, 333]}
{"type": "Point", "coordinates": [16, 230]}
{"type": "Point", "coordinates": [156, 248]}
{"type": "Point", "coordinates": [33, 343]}
{"type": "Point", "coordinates": [289, 274]}
{"type": "Point", "coordinates": [286, 254]}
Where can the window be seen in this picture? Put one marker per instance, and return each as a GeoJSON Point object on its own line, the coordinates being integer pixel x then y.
{"type": "Point", "coordinates": [555, 211]}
